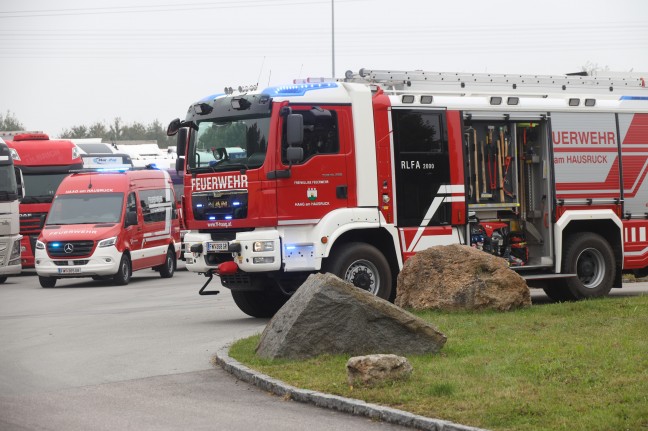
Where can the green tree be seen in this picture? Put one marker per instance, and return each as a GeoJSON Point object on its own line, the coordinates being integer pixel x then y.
{"type": "Point", "coordinates": [9, 122]}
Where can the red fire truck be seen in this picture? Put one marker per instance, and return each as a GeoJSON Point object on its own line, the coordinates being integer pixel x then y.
{"type": "Point", "coordinates": [353, 176]}
{"type": "Point", "coordinates": [44, 163]}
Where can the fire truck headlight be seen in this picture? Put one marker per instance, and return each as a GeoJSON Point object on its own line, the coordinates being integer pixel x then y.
{"type": "Point", "coordinates": [107, 242]}
{"type": "Point", "coordinates": [40, 245]}
{"type": "Point", "coordinates": [75, 152]}
{"type": "Point", "coordinates": [269, 259]}
{"type": "Point", "coordinates": [260, 246]}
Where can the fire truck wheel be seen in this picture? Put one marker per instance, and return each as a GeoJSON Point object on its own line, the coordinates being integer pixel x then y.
{"type": "Point", "coordinates": [259, 304]}
{"type": "Point", "coordinates": [362, 265]}
{"type": "Point", "coordinates": [591, 257]}
{"type": "Point", "coordinates": [47, 281]}
{"type": "Point", "coordinates": [123, 275]}
{"type": "Point", "coordinates": [558, 292]}
{"type": "Point", "coordinates": [167, 270]}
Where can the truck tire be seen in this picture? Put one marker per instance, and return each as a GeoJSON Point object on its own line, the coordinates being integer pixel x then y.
{"type": "Point", "coordinates": [259, 303]}
{"type": "Point", "coordinates": [362, 265]}
{"type": "Point", "coordinates": [591, 257]}
{"type": "Point", "coordinates": [123, 275]}
{"type": "Point", "coordinates": [168, 268]}
{"type": "Point", "coordinates": [558, 292]}
{"type": "Point", "coordinates": [47, 281]}
{"type": "Point", "coordinates": [3, 278]}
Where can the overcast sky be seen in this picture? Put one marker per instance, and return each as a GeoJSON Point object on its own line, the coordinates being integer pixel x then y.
{"type": "Point", "coordinates": [74, 62]}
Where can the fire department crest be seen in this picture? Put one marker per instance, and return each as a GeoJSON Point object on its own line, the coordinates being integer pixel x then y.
{"type": "Point", "coordinates": [311, 194]}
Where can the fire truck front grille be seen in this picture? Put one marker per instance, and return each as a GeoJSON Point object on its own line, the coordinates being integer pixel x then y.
{"type": "Point", "coordinates": [32, 223]}
{"type": "Point", "coordinates": [67, 249]}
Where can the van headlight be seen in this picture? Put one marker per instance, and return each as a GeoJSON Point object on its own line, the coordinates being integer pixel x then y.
{"type": "Point", "coordinates": [260, 246]}
{"type": "Point", "coordinates": [40, 245]}
{"type": "Point", "coordinates": [107, 242]}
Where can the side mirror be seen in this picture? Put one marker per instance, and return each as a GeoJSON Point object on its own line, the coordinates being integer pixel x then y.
{"type": "Point", "coordinates": [20, 189]}
{"type": "Point", "coordinates": [131, 218]}
{"type": "Point", "coordinates": [295, 129]}
{"type": "Point", "coordinates": [179, 164]}
{"type": "Point", "coordinates": [173, 128]}
{"type": "Point", "coordinates": [181, 142]}
{"type": "Point", "coordinates": [294, 154]}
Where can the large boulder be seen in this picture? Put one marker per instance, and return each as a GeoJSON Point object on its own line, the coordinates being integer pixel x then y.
{"type": "Point", "coordinates": [329, 315]}
{"type": "Point", "coordinates": [458, 277]}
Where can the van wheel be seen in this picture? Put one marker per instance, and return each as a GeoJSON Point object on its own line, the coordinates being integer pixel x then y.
{"type": "Point", "coordinates": [169, 267]}
{"type": "Point", "coordinates": [47, 281]}
{"type": "Point", "coordinates": [259, 304]}
{"type": "Point", "coordinates": [362, 265]}
{"type": "Point", "coordinates": [590, 257]}
{"type": "Point", "coordinates": [3, 278]}
{"type": "Point", "coordinates": [123, 275]}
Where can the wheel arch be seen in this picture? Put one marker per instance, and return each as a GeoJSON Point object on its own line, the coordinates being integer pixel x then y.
{"type": "Point", "coordinates": [378, 237]}
{"type": "Point", "coordinates": [601, 222]}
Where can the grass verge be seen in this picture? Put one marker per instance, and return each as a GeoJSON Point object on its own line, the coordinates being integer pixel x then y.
{"type": "Point", "coordinates": [568, 366]}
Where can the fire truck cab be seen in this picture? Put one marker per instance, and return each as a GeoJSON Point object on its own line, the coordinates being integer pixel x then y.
{"type": "Point", "coordinates": [107, 225]}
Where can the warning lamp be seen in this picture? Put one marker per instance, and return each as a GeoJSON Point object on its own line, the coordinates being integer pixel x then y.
{"type": "Point", "coordinates": [495, 100]}
{"type": "Point", "coordinates": [408, 98]}
{"type": "Point", "coordinates": [512, 100]}
{"type": "Point", "coordinates": [590, 102]}
{"type": "Point", "coordinates": [426, 100]}
{"type": "Point", "coordinates": [574, 102]}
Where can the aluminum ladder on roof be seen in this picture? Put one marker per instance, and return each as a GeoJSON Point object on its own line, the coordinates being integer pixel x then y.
{"type": "Point", "coordinates": [491, 83]}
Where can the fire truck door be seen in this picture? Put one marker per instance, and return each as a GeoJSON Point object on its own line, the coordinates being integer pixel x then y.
{"type": "Point", "coordinates": [429, 187]}
{"type": "Point", "coordinates": [318, 184]}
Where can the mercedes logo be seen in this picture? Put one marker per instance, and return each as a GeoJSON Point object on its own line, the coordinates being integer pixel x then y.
{"type": "Point", "coordinates": [68, 248]}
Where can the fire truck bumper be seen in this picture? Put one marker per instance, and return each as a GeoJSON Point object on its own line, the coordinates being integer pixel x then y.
{"type": "Point", "coordinates": [255, 251]}
{"type": "Point", "coordinates": [103, 262]}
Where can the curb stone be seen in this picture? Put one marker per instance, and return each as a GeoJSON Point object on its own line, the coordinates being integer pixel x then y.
{"type": "Point", "coordinates": [334, 402]}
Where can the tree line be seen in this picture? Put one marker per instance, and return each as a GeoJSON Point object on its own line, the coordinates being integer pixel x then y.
{"type": "Point", "coordinates": [113, 132]}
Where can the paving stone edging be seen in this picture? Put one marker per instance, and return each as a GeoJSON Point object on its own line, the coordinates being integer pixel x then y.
{"type": "Point", "coordinates": [335, 402]}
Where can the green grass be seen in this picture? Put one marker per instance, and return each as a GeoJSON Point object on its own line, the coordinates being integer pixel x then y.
{"type": "Point", "coordinates": [568, 366]}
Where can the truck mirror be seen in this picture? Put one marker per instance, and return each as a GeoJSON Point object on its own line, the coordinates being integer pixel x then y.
{"type": "Point", "coordinates": [131, 218]}
{"type": "Point", "coordinates": [173, 128]}
{"type": "Point", "coordinates": [179, 164]}
{"type": "Point", "coordinates": [294, 154]}
{"type": "Point", "coordinates": [294, 129]}
{"type": "Point", "coordinates": [181, 142]}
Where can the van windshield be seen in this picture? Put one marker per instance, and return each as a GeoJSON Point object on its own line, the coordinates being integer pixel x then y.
{"type": "Point", "coordinates": [86, 208]}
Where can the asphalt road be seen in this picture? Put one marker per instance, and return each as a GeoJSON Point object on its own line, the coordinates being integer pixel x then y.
{"type": "Point", "coordinates": [87, 355]}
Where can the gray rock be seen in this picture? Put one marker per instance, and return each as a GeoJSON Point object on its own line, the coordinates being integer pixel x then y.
{"type": "Point", "coordinates": [372, 369]}
{"type": "Point", "coordinates": [329, 315]}
{"type": "Point", "coordinates": [458, 277]}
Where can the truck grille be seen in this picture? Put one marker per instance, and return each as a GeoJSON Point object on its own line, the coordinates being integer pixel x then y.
{"type": "Point", "coordinates": [32, 223]}
{"type": "Point", "coordinates": [66, 249]}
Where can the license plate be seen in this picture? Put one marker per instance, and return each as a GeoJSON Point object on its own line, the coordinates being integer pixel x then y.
{"type": "Point", "coordinates": [69, 270]}
{"type": "Point", "coordinates": [217, 246]}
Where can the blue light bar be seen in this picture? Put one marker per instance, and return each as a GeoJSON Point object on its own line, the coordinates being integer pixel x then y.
{"type": "Point", "coordinates": [236, 203]}
{"type": "Point", "coordinates": [211, 98]}
{"type": "Point", "coordinates": [199, 205]}
{"type": "Point", "coordinates": [55, 244]}
{"type": "Point", "coordinates": [634, 98]}
{"type": "Point", "coordinates": [228, 217]}
{"type": "Point", "coordinates": [298, 89]}
{"type": "Point", "coordinates": [212, 217]}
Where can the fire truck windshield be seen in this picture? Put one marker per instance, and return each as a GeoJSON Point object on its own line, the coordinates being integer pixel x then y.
{"type": "Point", "coordinates": [41, 188]}
{"type": "Point", "coordinates": [86, 208]}
{"type": "Point", "coordinates": [229, 145]}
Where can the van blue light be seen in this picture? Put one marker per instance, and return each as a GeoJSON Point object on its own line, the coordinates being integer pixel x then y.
{"type": "Point", "coordinates": [55, 244]}
{"type": "Point", "coordinates": [634, 98]}
{"type": "Point", "coordinates": [212, 217]}
{"type": "Point", "coordinates": [236, 204]}
{"type": "Point", "coordinates": [298, 89]}
{"type": "Point", "coordinates": [199, 205]}
{"type": "Point", "coordinates": [228, 217]}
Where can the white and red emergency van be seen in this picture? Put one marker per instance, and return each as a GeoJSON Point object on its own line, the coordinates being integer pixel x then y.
{"type": "Point", "coordinates": [353, 176]}
{"type": "Point", "coordinates": [109, 224]}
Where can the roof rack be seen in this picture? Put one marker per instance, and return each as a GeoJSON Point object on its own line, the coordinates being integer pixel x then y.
{"type": "Point", "coordinates": [490, 83]}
